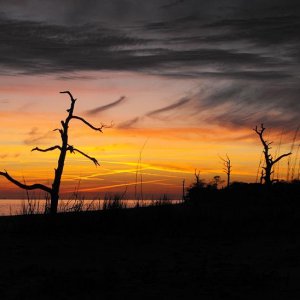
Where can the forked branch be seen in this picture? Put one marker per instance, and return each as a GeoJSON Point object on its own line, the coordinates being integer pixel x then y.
{"type": "Point", "coordinates": [25, 186]}
{"type": "Point", "coordinates": [260, 134]}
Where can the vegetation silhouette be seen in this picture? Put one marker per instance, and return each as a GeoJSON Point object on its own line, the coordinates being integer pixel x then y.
{"type": "Point", "coordinates": [269, 160]}
{"type": "Point", "coordinates": [63, 148]}
{"type": "Point", "coordinates": [227, 167]}
{"type": "Point", "coordinates": [235, 245]}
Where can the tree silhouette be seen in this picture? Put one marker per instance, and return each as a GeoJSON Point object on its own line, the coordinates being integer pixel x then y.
{"type": "Point", "coordinates": [215, 182]}
{"type": "Point", "coordinates": [227, 168]}
{"type": "Point", "coordinates": [269, 161]}
{"type": "Point", "coordinates": [198, 181]}
{"type": "Point", "coordinates": [63, 148]}
{"type": "Point", "coordinates": [196, 189]}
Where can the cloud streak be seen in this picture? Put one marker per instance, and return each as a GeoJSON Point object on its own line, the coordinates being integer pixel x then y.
{"type": "Point", "coordinates": [154, 113]}
{"type": "Point", "coordinates": [129, 124]}
{"type": "Point", "coordinates": [102, 108]}
{"type": "Point", "coordinates": [35, 137]}
{"type": "Point", "coordinates": [168, 108]}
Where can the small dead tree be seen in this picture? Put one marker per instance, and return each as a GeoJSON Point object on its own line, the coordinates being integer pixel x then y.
{"type": "Point", "coordinates": [199, 183]}
{"type": "Point", "coordinates": [269, 161]}
{"type": "Point", "coordinates": [197, 177]}
{"type": "Point", "coordinates": [63, 148]}
{"type": "Point", "coordinates": [227, 168]}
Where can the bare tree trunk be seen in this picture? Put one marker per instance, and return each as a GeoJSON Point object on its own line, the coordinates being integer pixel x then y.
{"type": "Point", "coordinates": [228, 180]}
{"type": "Point", "coordinates": [267, 175]}
{"type": "Point", "coordinates": [61, 160]}
{"type": "Point", "coordinates": [54, 203]}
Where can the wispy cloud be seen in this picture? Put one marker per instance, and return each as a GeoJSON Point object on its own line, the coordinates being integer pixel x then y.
{"type": "Point", "coordinates": [7, 155]}
{"type": "Point", "coordinates": [4, 101]}
{"type": "Point", "coordinates": [174, 106]}
{"type": "Point", "coordinates": [154, 113]}
{"type": "Point", "coordinates": [102, 108]}
{"type": "Point", "coordinates": [35, 137]}
{"type": "Point", "coordinates": [129, 123]}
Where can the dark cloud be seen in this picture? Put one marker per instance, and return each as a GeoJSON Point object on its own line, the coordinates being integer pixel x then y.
{"type": "Point", "coordinates": [39, 48]}
{"type": "Point", "coordinates": [239, 75]}
{"type": "Point", "coordinates": [102, 108]}
{"type": "Point", "coordinates": [172, 4]}
{"type": "Point", "coordinates": [74, 76]}
{"type": "Point", "coordinates": [244, 53]}
{"type": "Point", "coordinates": [117, 12]}
{"type": "Point", "coordinates": [235, 42]}
{"type": "Point", "coordinates": [32, 47]}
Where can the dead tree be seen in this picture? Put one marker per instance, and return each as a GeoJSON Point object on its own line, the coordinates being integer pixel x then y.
{"type": "Point", "coordinates": [197, 177]}
{"type": "Point", "coordinates": [227, 168]}
{"type": "Point", "coordinates": [269, 161]}
{"type": "Point", "coordinates": [63, 149]}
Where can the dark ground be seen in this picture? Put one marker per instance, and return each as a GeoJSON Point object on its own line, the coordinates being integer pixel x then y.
{"type": "Point", "coordinates": [225, 249]}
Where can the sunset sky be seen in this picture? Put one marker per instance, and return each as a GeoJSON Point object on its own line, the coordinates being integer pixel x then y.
{"type": "Point", "coordinates": [183, 81]}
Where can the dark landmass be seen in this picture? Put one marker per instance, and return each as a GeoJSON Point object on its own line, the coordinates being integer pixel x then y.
{"type": "Point", "coordinates": [226, 245]}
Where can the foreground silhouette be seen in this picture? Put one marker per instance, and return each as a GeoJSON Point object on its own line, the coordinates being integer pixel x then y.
{"type": "Point", "coordinates": [269, 161]}
{"type": "Point", "coordinates": [237, 243]}
{"type": "Point", "coordinates": [64, 148]}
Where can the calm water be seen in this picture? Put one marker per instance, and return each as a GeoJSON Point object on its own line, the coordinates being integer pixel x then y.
{"type": "Point", "coordinates": [9, 207]}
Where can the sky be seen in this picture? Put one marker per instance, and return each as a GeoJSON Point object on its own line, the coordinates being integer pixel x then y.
{"type": "Point", "coordinates": [183, 82]}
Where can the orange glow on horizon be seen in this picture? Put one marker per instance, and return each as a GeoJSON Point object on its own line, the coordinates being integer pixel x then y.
{"type": "Point", "coordinates": [173, 149]}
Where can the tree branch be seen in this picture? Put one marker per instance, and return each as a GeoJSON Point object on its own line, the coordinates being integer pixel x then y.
{"type": "Point", "coordinates": [69, 93]}
{"type": "Point", "coordinates": [60, 131]}
{"type": "Point", "coordinates": [90, 125]}
{"type": "Point", "coordinates": [280, 157]}
{"type": "Point", "coordinates": [71, 109]}
{"type": "Point", "coordinates": [73, 150]}
{"type": "Point", "coordinates": [25, 186]}
{"type": "Point", "coordinates": [46, 150]}
{"type": "Point", "coordinates": [260, 133]}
